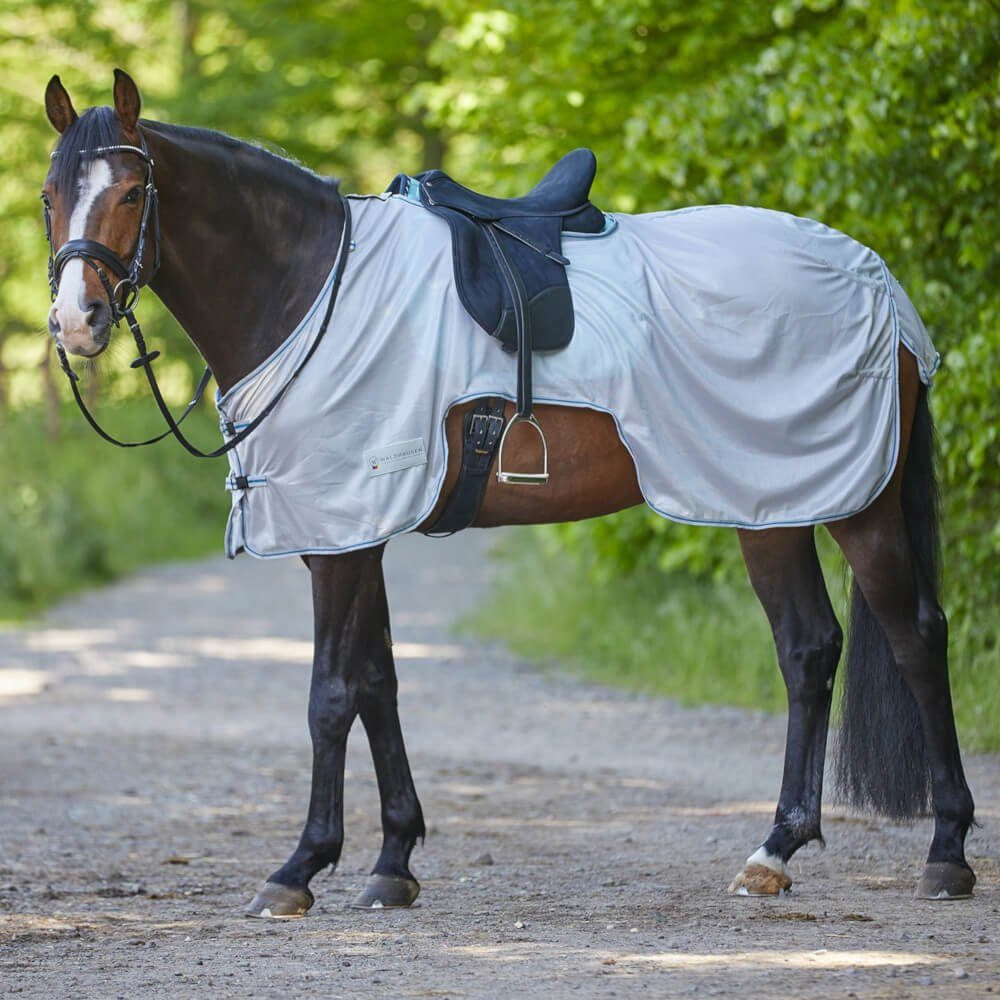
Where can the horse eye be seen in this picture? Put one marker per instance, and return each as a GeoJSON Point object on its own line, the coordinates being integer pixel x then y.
{"type": "Point", "coordinates": [46, 202]}
{"type": "Point", "coordinates": [133, 196]}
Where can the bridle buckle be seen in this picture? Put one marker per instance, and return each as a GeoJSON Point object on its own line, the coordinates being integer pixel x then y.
{"type": "Point", "coordinates": [128, 299]}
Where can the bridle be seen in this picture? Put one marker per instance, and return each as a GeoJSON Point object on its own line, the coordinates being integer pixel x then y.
{"type": "Point", "coordinates": [124, 294]}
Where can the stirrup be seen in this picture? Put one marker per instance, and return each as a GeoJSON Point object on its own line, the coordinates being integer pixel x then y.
{"type": "Point", "coordinates": [523, 478]}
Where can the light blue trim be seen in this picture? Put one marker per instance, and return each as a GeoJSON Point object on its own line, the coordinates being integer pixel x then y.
{"type": "Point", "coordinates": [927, 377]}
{"type": "Point", "coordinates": [232, 553]}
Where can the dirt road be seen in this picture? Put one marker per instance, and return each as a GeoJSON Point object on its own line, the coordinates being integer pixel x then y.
{"type": "Point", "coordinates": [154, 765]}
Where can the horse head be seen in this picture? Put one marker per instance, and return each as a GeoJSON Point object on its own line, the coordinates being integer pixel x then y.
{"type": "Point", "coordinates": [99, 200]}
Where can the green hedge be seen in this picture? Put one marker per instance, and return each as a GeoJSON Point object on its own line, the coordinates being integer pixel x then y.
{"type": "Point", "coordinates": [76, 511]}
{"type": "Point", "coordinates": [693, 639]}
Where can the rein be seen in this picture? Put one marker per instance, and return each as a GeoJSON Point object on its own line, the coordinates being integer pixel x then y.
{"type": "Point", "coordinates": [122, 298]}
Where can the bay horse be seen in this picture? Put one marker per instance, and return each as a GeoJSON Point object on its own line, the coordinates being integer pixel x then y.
{"type": "Point", "coordinates": [228, 210]}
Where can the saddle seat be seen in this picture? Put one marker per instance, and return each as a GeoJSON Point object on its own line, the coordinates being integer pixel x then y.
{"type": "Point", "coordinates": [563, 191]}
{"type": "Point", "coordinates": [508, 262]}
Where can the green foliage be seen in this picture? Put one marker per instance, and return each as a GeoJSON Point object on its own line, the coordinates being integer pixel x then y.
{"type": "Point", "coordinates": [77, 512]}
{"type": "Point", "coordinates": [329, 88]}
{"type": "Point", "coordinates": [323, 82]}
{"type": "Point", "coordinates": [665, 633]}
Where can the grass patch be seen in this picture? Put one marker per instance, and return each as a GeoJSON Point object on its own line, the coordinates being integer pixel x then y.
{"type": "Point", "coordinates": [667, 634]}
{"type": "Point", "coordinates": [693, 640]}
{"type": "Point", "coordinates": [77, 511]}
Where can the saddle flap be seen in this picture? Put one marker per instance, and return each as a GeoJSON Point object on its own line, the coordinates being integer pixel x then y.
{"type": "Point", "coordinates": [532, 247]}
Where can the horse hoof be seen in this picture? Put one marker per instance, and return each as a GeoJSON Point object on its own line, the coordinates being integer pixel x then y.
{"type": "Point", "coordinates": [387, 892]}
{"type": "Point", "coordinates": [760, 880]}
{"type": "Point", "coordinates": [280, 902]}
{"type": "Point", "coordinates": [945, 880]}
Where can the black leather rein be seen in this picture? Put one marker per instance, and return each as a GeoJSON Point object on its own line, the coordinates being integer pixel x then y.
{"type": "Point", "coordinates": [124, 293]}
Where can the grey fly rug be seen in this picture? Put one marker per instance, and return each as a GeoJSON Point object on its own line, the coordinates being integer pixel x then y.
{"type": "Point", "coordinates": [748, 357]}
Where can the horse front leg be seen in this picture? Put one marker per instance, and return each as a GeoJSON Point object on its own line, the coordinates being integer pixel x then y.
{"type": "Point", "coordinates": [391, 883]}
{"type": "Point", "coordinates": [349, 636]}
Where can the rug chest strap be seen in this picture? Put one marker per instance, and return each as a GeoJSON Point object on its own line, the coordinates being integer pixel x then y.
{"type": "Point", "coordinates": [481, 431]}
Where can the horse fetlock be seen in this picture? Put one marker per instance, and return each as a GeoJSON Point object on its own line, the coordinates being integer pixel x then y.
{"type": "Point", "coordinates": [794, 827]}
{"type": "Point", "coordinates": [309, 859]}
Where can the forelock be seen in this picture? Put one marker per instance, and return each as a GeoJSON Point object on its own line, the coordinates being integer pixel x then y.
{"type": "Point", "coordinates": [95, 128]}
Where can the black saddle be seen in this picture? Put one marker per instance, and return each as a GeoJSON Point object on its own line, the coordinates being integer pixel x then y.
{"type": "Point", "coordinates": [510, 271]}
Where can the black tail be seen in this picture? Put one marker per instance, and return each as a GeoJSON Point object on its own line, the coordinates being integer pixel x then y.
{"type": "Point", "coordinates": [881, 761]}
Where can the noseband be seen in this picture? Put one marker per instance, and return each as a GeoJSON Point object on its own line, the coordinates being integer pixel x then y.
{"type": "Point", "coordinates": [122, 298]}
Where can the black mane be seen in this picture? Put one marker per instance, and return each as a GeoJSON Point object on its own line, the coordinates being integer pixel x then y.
{"type": "Point", "coordinates": [96, 127]}
{"type": "Point", "coordinates": [268, 160]}
{"type": "Point", "coordinates": [99, 126]}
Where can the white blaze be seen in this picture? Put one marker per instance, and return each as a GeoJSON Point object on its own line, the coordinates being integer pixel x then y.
{"type": "Point", "coordinates": [69, 304]}
{"type": "Point", "coordinates": [772, 861]}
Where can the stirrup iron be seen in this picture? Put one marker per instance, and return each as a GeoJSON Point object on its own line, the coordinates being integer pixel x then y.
{"type": "Point", "coordinates": [523, 478]}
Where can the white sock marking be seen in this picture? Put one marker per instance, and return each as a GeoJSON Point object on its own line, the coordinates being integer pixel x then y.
{"type": "Point", "coordinates": [772, 861]}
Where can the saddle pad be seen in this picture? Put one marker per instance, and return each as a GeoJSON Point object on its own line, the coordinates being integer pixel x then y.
{"type": "Point", "coordinates": [748, 357]}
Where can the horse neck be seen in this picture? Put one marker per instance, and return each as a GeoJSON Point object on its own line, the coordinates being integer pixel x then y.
{"type": "Point", "coordinates": [247, 240]}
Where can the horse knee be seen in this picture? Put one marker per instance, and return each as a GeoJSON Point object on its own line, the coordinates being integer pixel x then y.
{"type": "Point", "coordinates": [810, 664]}
{"type": "Point", "coordinates": [377, 684]}
{"type": "Point", "coordinates": [332, 710]}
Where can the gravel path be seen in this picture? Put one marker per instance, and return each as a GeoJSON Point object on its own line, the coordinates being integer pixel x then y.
{"type": "Point", "coordinates": [154, 766]}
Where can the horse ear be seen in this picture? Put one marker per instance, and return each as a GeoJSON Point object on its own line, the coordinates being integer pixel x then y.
{"type": "Point", "coordinates": [127, 101]}
{"type": "Point", "coordinates": [58, 106]}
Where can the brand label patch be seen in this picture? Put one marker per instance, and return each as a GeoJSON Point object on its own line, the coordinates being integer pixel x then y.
{"type": "Point", "coordinates": [386, 458]}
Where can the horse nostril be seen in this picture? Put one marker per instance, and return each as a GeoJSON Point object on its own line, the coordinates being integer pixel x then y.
{"type": "Point", "coordinates": [95, 312]}
{"type": "Point", "coordinates": [54, 327]}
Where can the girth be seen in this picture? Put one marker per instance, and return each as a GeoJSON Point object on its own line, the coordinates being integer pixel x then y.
{"type": "Point", "coordinates": [482, 427]}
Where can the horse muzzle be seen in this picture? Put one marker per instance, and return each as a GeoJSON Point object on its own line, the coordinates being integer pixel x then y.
{"type": "Point", "coordinates": [83, 334]}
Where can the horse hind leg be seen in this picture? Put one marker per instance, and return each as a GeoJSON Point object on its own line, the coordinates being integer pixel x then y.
{"type": "Point", "coordinates": [786, 576]}
{"type": "Point", "coordinates": [898, 725]}
{"type": "Point", "coordinates": [892, 732]}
